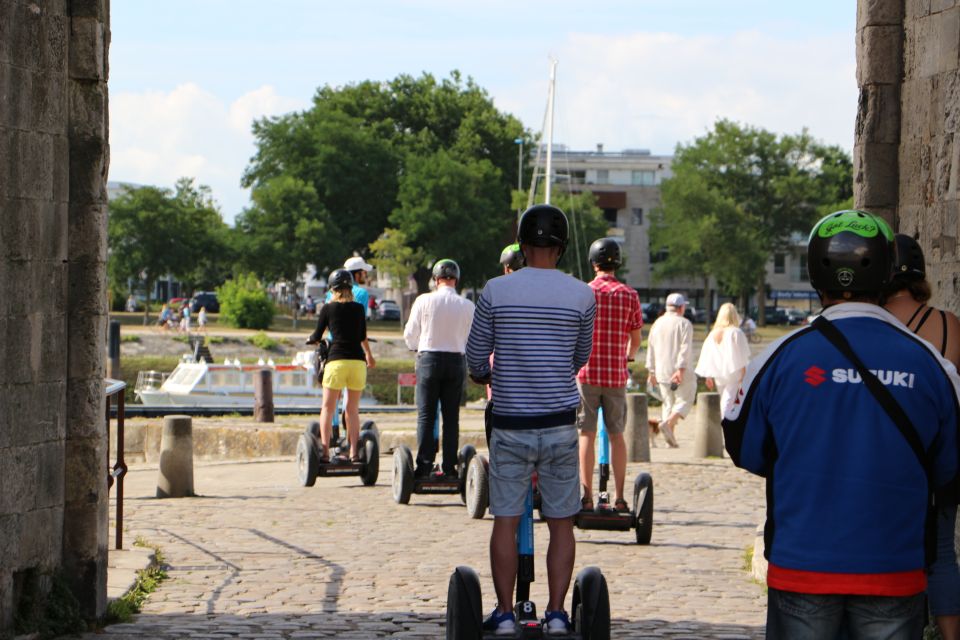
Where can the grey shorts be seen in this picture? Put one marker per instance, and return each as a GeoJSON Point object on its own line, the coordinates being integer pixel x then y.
{"type": "Point", "coordinates": [613, 401]}
{"type": "Point", "coordinates": [553, 452]}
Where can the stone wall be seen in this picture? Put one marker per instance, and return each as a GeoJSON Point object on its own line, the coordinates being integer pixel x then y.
{"type": "Point", "coordinates": [908, 167]}
{"type": "Point", "coordinates": [53, 161]}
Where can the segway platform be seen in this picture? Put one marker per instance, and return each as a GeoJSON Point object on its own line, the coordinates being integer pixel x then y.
{"type": "Point", "coordinates": [405, 483]}
{"type": "Point", "coordinates": [309, 466]}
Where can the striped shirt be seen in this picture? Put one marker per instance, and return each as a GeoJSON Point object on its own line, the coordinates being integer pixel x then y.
{"type": "Point", "coordinates": [540, 324]}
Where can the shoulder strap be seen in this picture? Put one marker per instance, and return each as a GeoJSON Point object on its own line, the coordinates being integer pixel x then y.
{"type": "Point", "coordinates": [943, 320]}
{"type": "Point", "coordinates": [881, 393]}
{"type": "Point", "coordinates": [914, 316]}
{"type": "Point", "coordinates": [923, 319]}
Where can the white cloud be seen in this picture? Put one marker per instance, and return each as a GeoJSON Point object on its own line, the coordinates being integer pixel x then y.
{"type": "Point", "coordinates": [157, 137]}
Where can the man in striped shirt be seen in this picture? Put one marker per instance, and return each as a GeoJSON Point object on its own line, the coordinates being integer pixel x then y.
{"type": "Point", "coordinates": [539, 321]}
{"type": "Point", "coordinates": [603, 380]}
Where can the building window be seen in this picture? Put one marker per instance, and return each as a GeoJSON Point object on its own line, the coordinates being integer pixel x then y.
{"type": "Point", "coordinates": [779, 263]}
{"type": "Point", "coordinates": [804, 276]}
{"type": "Point", "coordinates": [637, 215]}
{"type": "Point", "coordinates": [611, 216]}
{"type": "Point", "coordinates": [603, 176]}
{"type": "Point", "coordinates": [643, 178]}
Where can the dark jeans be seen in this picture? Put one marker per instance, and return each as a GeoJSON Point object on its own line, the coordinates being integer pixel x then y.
{"type": "Point", "coordinates": [440, 378]}
{"type": "Point", "coordinates": [803, 616]}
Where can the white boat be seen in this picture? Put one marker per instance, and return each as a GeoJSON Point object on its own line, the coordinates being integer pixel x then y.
{"type": "Point", "coordinates": [201, 384]}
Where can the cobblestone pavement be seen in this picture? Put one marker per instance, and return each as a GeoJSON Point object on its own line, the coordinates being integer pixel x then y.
{"type": "Point", "coordinates": [257, 556]}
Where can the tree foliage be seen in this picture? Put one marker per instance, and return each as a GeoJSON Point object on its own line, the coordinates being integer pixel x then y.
{"type": "Point", "coordinates": [737, 195]}
{"type": "Point", "coordinates": [393, 254]}
{"type": "Point", "coordinates": [154, 232]}
{"type": "Point", "coordinates": [244, 303]}
{"type": "Point", "coordinates": [383, 154]}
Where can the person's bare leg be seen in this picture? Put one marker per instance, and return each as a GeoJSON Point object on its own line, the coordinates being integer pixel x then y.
{"type": "Point", "coordinates": [330, 397]}
{"type": "Point", "coordinates": [618, 458]}
{"type": "Point", "coordinates": [503, 559]}
{"type": "Point", "coordinates": [560, 557]}
{"type": "Point", "coordinates": [353, 420]}
{"type": "Point", "coordinates": [587, 456]}
{"type": "Point", "coordinates": [949, 627]}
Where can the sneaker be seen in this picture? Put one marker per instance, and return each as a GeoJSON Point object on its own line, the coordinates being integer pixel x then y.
{"type": "Point", "coordinates": [667, 432]}
{"type": "Point", "coordinates": [501, 624]}
{"type": "Point", "coordinates": [556, 623]}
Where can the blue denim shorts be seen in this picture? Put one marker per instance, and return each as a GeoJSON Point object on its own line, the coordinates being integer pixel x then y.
{"type": "Point", "coordinates": [553, 452]}
{"type": "Point", "coordinates": [943, 582]}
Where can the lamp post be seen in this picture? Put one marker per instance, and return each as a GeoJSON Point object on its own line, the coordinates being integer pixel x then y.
{"type": "Point", "coordinates": [519, 141]}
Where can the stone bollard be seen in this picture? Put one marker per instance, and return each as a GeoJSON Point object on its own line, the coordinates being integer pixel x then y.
{"type": "Point", "coordinates": [176, 458]}
{"type": "Point", "coordinates": [708, 434]}
{"type": "Point", "coordinates": [263, 395]}
{"type": "Point", "coordinates": [637, 429]}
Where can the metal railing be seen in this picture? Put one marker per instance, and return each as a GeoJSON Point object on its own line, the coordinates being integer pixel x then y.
{"type": "Point", "coordinates": [115, 390]}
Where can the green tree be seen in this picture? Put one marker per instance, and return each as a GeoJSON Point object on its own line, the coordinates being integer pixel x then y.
{"type": "Point", "coordinates": [365, 149]}
{"type": "Point", "coordinates": [393, 255]}
{"type": "Point", "coordinates": [738, 194]}
{"type": "Point", "coordinates": [154, 232]}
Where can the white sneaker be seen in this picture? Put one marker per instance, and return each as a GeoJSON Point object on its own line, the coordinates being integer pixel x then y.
{"type": "Point", "coordinates": [667, 432]}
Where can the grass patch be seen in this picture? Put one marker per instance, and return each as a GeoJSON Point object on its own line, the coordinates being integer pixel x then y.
{"type": "Point", "coordinates": [123, 609]}
{"type": "Point", "coordinates": [48, 607]}
{"type": "Point", "coordinates": [183, 337]}
{"type": "Point", "coordinates": [263, 341]}
{"type": "Point", "coordinates": [129, 338]}
{"type": "Point", "coordinates": [216, 340]}
{"type": "Point", "coordinates": [748, 558]}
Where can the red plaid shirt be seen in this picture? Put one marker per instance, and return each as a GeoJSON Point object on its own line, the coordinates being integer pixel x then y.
{"type": "Point", "coordinates": [618, 313]}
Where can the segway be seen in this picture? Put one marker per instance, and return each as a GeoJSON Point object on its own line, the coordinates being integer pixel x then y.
{"type": "Point", "coordinates": [309, 449]}
{"type": "Point", "coordinates": [604, 516]}
{"type": "Point", "coordinates": [589, 607]}
{"type": "Point", "coordinates": [405, 483]}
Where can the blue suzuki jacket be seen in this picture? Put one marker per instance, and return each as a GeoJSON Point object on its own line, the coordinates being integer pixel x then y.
{"type": "Point", "coordinates": [845, 492]}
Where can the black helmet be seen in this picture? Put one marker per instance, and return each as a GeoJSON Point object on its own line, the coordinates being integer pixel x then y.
{"type": "Point", "coordinates": [446, 268]}
{"type": "Point", "coordinates": [544, 225]}
{"type": "Point", "coordinates": [340, 279]}
{"type": "Point", "coordinates": [605, 253]}
{"type": "Point", "coordinates": [908, 262]}
{"type": "Point", "coordinates": [850, 251]}
{"type": "Point", "coordinates": [511, 257]}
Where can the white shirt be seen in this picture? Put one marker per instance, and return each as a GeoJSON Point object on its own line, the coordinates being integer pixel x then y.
{"type": "Point", "coordinates": [439, 321]}
{"type": "Point", "coordinates": [669, 346]}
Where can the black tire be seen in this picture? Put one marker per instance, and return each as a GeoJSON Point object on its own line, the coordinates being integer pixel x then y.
{"type": "Point", "coordinates": [467, 452]}
{"type": "Point", "coordinates": [371, 426]}
{"type": "Point", "coordinates": [477, 487]}
{"type": "Point", "coordinates": [591, 605]}
{"type": "Point", "coordinates": [370, 455]}
{"type": "Point", "coordinates": [464, 604]}
{"type": "Point", "coordinates": [402, 474]}
{"type": "Point", "coordinates": [643, 507]}
{"type": "Point", "coordinates": [313, 428]}
{"type": "Point", "coordinates": [308, 463]}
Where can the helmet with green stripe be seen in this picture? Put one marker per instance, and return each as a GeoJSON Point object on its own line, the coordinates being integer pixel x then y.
{"type": "Point", "coordinates": [511, 257]}
{"type": "Point", "coordinates": [850, 252]}
{"type": "Point", "coordinates": [446, 268]}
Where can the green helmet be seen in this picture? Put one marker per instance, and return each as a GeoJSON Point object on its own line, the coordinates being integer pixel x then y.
{"type": "Point", "coordinates": [511, 257]}
{"type": "Point", "coordinates": [850, 251]}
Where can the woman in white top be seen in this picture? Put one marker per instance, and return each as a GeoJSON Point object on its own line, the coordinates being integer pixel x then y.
{"type": "Point", "coordinates": [724, 357]}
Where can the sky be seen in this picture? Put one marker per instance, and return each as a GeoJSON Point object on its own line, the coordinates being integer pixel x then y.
{"type": "Point", "coordinates": [189, 77]}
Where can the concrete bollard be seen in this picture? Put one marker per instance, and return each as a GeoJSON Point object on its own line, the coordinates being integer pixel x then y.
{"type": "Point", "coordinates": [708, 434]}
{"type": "Point", "coordinates": [637, 429]}
{"type": "Point", "coordinates": [263, 395]}
{"type": "Point", "coordinates": [175, 479]}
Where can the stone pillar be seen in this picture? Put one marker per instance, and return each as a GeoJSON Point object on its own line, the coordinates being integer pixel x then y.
{"type": "Point", "coordinates": [175, 477]}
{"type": "Point", "coordinates": [708, 434]}
{"type": "Point", "coordinates": [637, 429]}
{"type": "Point", "coordinates": [85, 37]}
{"type": "Point", "coordinates": [263, 395]}
{"type": "Point", "coordinates": [880, 36]}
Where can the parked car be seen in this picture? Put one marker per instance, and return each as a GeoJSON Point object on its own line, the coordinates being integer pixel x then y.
{"type": "Point", "coordinates": [651, 311]}
{"type": "Point", "coordinates": [388, 310]}
{"type": "Point", "coordinates": [176, 303]}
{"type": "Point", "coordinates": [206, 299]}
{"type": "Point", "coordinates": [775, 315]}
{"type": "Point", "coordinates": [796, 316]}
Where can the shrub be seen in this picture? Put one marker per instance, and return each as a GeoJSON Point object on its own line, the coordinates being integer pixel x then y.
{"type": "Point", "coordinates": [244, 303]}
{"type": "Point", "coordinates": [262, 341]}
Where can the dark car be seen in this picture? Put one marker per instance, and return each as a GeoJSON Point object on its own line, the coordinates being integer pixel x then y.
{"type": "Point", "coordinates": [388, 310]}
{"type": "Point", "coordinates": [651, 311]}
{"type": "Point", "coordinates": [775, 315]}
{"type": "Point", "coordinates": [206, 299]}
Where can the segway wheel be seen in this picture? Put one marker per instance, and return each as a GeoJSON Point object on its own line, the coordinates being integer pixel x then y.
{"type": "Point", "coordinates": [464, 615]}
{"type": "Point", "coordinates": [308, 463]}
{"type": "Point", "coordinates": [402, 475]}
{"type": "Point", "coordinates": [591, 605]}
{"type": "Point", "coordinates": [313, 428]}
{"type": "Point", "coordinates": [371, 426]}
{"type": "Point", "coordinates": [643, 507]}
{"type": "Point", "coordinates": [477, 488]}
{"type": "Point", "coordinates": [467, 452]}
{"type": "Point", "coordinates": [370, 449]}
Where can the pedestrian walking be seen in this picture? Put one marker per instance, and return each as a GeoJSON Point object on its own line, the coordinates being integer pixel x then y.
{"type": "Point", "coordinates": [669, 363]}
{"type": "Point", "coordinates": [603, 380]}
{"type": "Point", "coordinates": [437, 330]}
{"type": "Point", "coordinates": [539, 321]}
{"type": "Point", "coordinates": [724, 355]}
{"type": "Point", "coordinates": [202, 320]}
{"type": "Point", "coordinates": [853, 423]}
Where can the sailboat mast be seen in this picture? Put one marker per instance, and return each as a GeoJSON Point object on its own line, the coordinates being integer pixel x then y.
{"type": "Point", "coordinates": [549, 169]}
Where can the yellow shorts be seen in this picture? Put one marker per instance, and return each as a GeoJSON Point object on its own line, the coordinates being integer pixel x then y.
{"type": "Point", "coordinates": [345, 374]}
